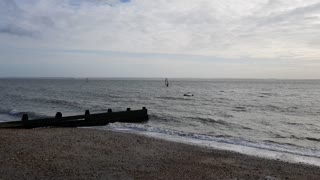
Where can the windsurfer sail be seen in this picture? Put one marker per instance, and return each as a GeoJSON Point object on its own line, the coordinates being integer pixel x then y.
{"type": "Point", "coordinates": [166, 82]}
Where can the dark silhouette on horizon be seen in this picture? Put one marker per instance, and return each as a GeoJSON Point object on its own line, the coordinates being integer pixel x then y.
{"type": "Point", "coordinates": [166, 82]}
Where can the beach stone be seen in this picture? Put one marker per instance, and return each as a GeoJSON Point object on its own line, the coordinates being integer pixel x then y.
{"type": "Point", "coordinates": [270, 178]}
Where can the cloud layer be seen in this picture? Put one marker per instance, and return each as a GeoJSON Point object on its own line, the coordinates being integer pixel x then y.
{"type": "Point", "coordinates": [224, 28]}
{"type": "Point", "coordinates": [227, 29]}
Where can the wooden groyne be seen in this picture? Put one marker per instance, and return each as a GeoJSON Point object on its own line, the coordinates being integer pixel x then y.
{"type": "Point", "coordinates": [99, 119]}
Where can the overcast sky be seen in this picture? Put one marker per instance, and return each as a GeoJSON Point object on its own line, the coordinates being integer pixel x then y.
{"type": "Point", "coordinates": [160, 38]}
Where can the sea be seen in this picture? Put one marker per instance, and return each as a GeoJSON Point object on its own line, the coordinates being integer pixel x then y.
{"type": "Point", "coordinates": [277, 119]}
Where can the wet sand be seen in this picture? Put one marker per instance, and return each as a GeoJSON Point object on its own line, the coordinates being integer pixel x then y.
{"type": "Point", "coordinates": [78, 153]}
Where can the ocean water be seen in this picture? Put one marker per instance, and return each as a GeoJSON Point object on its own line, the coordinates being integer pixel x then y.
{"type": "Point", "coordinates": [274, 116]}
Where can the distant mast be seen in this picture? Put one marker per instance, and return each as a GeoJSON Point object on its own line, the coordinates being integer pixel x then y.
{"type": "Point", "coordinates": [166, 82]}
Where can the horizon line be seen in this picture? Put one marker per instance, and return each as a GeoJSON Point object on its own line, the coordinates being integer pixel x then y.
{"type": "Point", "coordinates": [134, 78]}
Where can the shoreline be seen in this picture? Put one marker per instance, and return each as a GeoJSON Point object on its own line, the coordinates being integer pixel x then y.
{"type": "Point", "coordinates": [282, 153]}
{"type": "Point", "coordinates": [86, 153]}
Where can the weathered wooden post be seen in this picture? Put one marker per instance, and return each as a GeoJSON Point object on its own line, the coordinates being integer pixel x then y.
{"type": "Point", "coordinates": [86, 115]}
{"type": "Point", "coordinates": [24, 120]}
{"type": "Point", "coordinates": [109, 110]}
{"type": "Point", "coordinates": [25, 117]}
{"type": "Point", "coordinates": [58, 115]}
{"type": "Point", "coordinates": [146, 113]}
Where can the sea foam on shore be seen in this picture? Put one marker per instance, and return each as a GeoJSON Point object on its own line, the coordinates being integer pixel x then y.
{"type": "Point", "coordinates": [269, 150]}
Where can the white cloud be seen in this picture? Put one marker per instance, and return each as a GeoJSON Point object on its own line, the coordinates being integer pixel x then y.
{"type": "Point", "coordinates": [273, 29]}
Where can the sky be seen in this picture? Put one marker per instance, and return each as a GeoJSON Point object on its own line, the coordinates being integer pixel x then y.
{"type": "Point", "coordinates": [160, 38]}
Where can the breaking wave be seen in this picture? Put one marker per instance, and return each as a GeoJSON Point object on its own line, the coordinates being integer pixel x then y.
{"type": "Point", "coordinates": [14, 114]}
{"type": "Point", "coordinates": [265, 145]}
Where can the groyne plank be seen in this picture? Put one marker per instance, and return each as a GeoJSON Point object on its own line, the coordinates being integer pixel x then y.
{"type": "Point", "coordinates": [87, 119]}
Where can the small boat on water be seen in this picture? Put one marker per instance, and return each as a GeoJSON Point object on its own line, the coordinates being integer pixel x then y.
{"type": "Point", "coordinates": [188, 94]}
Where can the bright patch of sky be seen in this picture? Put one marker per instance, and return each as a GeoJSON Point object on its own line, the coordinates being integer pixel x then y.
{"type": "Point", "coordinates": [180, 38]}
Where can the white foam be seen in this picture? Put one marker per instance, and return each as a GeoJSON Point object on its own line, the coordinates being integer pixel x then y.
{"type": "Point", "coordinates": [264, 153]}
{"type": "Point", "coordinates": [269, 150]}
{"type": "Point", "coordinates": [14, 112]}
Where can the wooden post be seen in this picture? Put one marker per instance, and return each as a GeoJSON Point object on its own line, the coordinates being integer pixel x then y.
{"type": "Point", "coordinates": [87, 115]}
{"type": "Point", "coordinates": [25, 117]}
{"type": "Point", "coordinates": [58, 115]}
{"type": "Point", "coordinates": [109, 110]}
{"type": "Point", "coordinates": [146, 110]}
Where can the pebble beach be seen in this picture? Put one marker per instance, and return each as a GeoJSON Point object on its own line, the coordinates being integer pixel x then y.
{"type": "Point", "coordinates": [80, 153]}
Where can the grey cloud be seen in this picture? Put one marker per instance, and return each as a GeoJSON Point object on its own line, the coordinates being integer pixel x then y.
{"type": "Point", "coordinates": [96, 2]}
{"type": "Point", "coordinates": [14, 30]}
{"type": "Point", "coordinates": [18, 22]}
{"type": "Point", "coordinates": [11, 14]}
{"type": "Point", "coordinates": [295, 14]}
{"type": "Point", "coordinates": [282, 29]}
{"type": "Point", "coordinates": [8, 5]}
{"type": "Point", "coordinates": [224, 28]}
